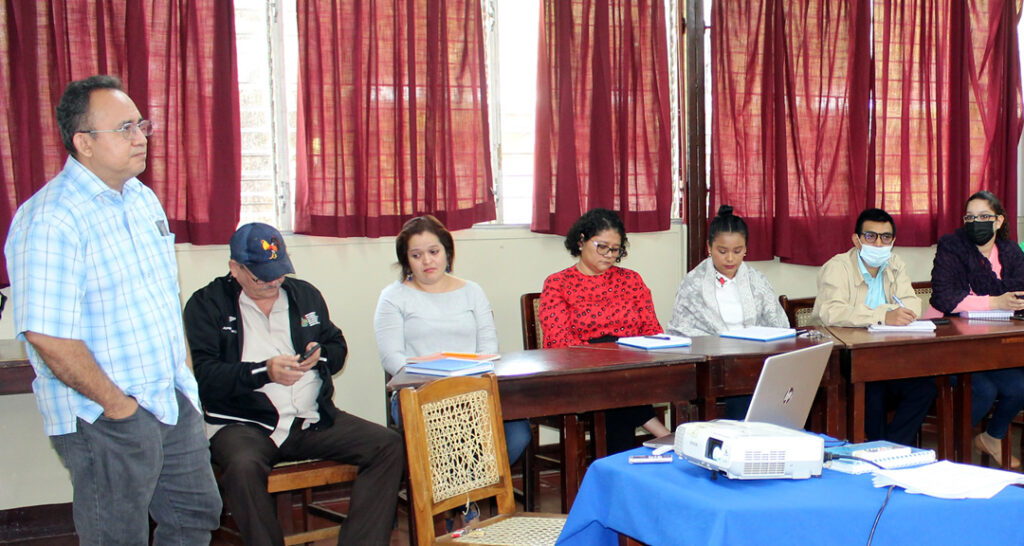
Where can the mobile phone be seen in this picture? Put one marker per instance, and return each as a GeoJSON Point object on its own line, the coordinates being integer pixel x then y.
{"type": "Point", "coordinates": [304, 356]}
{"type": "Point", "coordinates": [938, 321]}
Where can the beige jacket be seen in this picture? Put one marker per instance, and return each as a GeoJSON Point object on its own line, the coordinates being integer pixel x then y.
{"type": "Point", "coordinates": [841, 292]}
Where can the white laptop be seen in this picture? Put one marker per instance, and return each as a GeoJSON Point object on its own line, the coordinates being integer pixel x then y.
{"type": "Point", "coordinates": [785, 390]}
{"type": "Point", "coordinates": [787, 386]}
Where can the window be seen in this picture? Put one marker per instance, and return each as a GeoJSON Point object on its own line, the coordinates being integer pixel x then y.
{"type": "Point", "coordinates": [267, 78]}
{"type": "Point", "coordinates": [267, 60]}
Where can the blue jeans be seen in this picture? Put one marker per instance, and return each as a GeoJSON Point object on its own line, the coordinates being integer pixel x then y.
{"type": "Point", "coordinates": [1005, 388]}
{"type": "Point", "coordinates": [124, 470]}
{"type": "Point", "coordinates": [517, 433]}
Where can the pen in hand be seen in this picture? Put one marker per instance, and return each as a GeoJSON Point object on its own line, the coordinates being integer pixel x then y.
{"type": "Point", "coordinates": [897, 301]}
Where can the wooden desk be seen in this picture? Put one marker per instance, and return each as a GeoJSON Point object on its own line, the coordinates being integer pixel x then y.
{"type": "Point", "coordinates": [16, 374]}
{"type": "Point", "coordinates": [958, 348]}
{"type": "Point", "coordinates": [568, 381]}
{"type": "Point", "coordinates": [733, 367]}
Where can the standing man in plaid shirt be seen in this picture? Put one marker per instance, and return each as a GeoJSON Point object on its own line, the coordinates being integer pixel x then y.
{"type": "Point", "coordinates": [95, 292]}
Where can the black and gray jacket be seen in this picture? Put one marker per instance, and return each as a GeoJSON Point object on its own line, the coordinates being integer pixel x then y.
{"type": "Point", "coordinates": [227, 386]}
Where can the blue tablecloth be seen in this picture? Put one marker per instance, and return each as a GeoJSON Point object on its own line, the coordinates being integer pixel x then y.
{"type": "Point", "coordinates": [678, 503]}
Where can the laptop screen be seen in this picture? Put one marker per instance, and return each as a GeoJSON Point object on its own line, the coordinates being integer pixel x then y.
{"type": "Point", "coordinates": [787, 386]}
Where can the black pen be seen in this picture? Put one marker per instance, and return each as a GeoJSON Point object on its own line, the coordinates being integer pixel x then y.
{"type": "Point", "coordinates": [666, 338]}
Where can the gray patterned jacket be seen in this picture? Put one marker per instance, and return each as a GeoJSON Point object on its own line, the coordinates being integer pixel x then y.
{"type": "Point", "coordinates": [696, 310]}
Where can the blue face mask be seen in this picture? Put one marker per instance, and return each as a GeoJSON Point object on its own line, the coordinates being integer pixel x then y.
{"type": "Point", "coordinates": [875, 256]}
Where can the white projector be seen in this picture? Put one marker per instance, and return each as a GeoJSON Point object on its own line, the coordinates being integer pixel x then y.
{"type": "Point", "coordinates": [750, 451]}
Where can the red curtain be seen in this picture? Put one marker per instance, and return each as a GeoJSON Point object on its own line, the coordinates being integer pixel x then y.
{"type": "Point", "coordinates": [823, 108]}
{"type": "Point", "coordinates": [392, 116]}
{"type": "Point", "coordinates": [177, 61]}
{"type": "Point", "coordinates": [912, 114]}
{"type": "Point", "coordinates": [993, 113]}
{"type": "Point", "coordinates": [784, 154]}
{"type": "Point", "coordinates": [603, 120]}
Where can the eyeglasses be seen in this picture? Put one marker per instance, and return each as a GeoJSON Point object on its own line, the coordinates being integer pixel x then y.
{"type": "Point", "coordinates": [127, 129]}
{"type": "Point", "coordinates": [604, 249]}
{"type": "Point", "coordinates": [254, 279]}
{"type": "Point", "coordinates": [870, 236]}
{"type": "Point", "coordinates": [985, 217]}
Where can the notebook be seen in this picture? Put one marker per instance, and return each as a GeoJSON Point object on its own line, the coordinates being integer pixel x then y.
{"type": "Point", "coordinates": [449, 367]}
{"type": "Point", "coordinates": [919, 326]}
{"type": "Point", "coordinates": [988, 314]}
{"type": "Point", "coordinates": [787, 386]}
{"type": "Point", "coordinates": [660, 341]}
{"type": "Point", "coordinates": [760, 333]}
{"type": "Point", "coordinates": [883, 453]}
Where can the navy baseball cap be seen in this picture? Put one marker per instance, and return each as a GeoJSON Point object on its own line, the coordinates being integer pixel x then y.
{"type": "Point", "coordinates": [260, 248]}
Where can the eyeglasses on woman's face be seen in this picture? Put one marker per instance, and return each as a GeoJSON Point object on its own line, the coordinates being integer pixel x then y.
{"type": "Point", "coordinates": [983, 217]}
{"type": "Point", "coordinates": [608, 250]}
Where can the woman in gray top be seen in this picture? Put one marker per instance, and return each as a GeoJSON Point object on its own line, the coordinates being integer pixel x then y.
{"type": "Point", "coordinates": [723, 293]}
{"type": "Point", "coordinates": [429, 310]}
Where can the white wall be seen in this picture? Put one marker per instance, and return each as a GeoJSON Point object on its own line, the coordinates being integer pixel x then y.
{"type": "Point", "coordinates": [506, 261]}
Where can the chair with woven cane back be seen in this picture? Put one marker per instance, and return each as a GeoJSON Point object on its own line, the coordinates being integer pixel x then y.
{"type": "Point", "coordinates": [798, 310]}
{"type": "Point", "coordinates": [455, 442]}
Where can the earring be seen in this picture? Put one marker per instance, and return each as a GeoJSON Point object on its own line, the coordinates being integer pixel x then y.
{"type": "Point", "coordinates": [448, 268]}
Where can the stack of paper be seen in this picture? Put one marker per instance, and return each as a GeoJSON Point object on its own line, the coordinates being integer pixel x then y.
{"type": "Point", "coordinates": [439, 364]}
{"type": "Point", "coordinates": [760, 333]}
{"type": "Point", "coordinates": [480, 357]}
{"type": "Point", "coordinates": [948, 480]}
{"type": "Point", "coordinates": [918, 326]}
{"type": "Point", "coordinates": [660, 341]}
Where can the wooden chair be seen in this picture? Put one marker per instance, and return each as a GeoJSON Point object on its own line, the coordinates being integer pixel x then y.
{"type": "Point", "coordinates": [455, 444]}
{"type": "Point", "coordinates": [298, 479]}
{"type": "Point", "coordinates": [533, 338]}
{"type": "Point", "coordinates": [798, 310]}
{"type": "Point", "coordinates": [923, 290]}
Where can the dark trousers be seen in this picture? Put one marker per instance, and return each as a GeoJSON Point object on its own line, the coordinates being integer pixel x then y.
{"type": "Point", "coordinates": [1005, 389]}
{"type": "Point", "coordinates": [246, 455]}
{"type": "Point", "coordinates": [910, 397]}
{"type": "Point", "coordinates": [125, 470]}
{"type": "Point", "coordinates": [620, 426]}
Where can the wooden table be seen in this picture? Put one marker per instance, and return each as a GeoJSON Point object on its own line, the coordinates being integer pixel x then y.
{"type": "Point", "coordinates": [16, 374]}
{"type": "Point", "coordinates": [733, 367]}
{"type": "Point", "coordinates": [958, 348]}
{"type": "Point", "coordinates": [569, 381]}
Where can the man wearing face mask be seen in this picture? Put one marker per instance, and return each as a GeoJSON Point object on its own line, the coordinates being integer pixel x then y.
{"type": "Point", "coordinates": [869, 285]}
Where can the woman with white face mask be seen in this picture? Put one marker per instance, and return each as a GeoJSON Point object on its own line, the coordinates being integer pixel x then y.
{"type": "Point", "coordinates": [979, 267]}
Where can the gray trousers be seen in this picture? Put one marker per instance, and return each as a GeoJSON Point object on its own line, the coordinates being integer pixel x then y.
{"type": "Point", "coordinates": [125, 470]}
{"type": "Point", "coordinates": [245, 455]}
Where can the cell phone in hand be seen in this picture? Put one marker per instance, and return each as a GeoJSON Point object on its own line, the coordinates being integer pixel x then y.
{"type": "Point", "coordinates": [305, 356]}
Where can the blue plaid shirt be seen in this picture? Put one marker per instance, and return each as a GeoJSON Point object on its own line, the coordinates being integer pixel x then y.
{"type": "Point", "coordinates": [89, 263]}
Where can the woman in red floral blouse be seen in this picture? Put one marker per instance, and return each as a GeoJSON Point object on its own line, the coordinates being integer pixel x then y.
{"type": "Point", "coordinates": [596, 301]}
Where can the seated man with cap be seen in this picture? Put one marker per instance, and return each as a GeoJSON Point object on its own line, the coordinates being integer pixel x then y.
{"type": "Point", "coordinates": [264, 403]}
